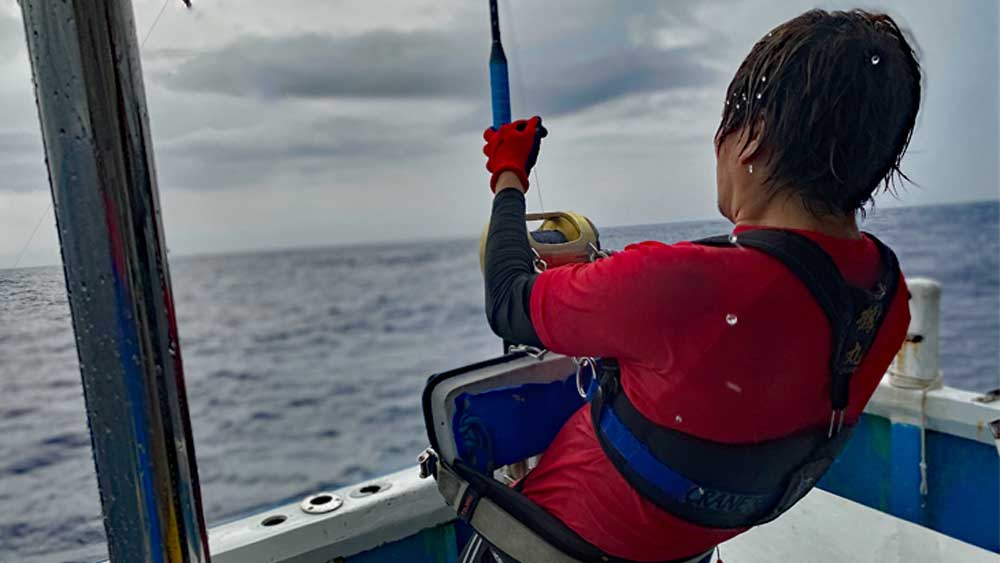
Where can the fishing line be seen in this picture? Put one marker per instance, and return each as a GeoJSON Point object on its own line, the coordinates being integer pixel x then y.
{"type": "Point", "coordinates": [48, 207]}
{"type": "Point", "coordinates": [35, 230]}
{"type": "Point", "coordinates": [155, 21]}
{"type": "Point", "coordinates": [519, 86]}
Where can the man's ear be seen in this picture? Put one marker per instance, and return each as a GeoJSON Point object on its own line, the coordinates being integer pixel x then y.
{"type": "Point", "coordinates": [751, 146]}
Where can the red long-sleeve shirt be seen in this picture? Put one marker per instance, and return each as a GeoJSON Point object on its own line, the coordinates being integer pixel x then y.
{"type": "Point", "coordinates": [721, 343]}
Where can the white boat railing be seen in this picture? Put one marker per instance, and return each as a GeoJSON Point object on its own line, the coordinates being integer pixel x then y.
{"type": "Point", "coordinates": [912, 392]}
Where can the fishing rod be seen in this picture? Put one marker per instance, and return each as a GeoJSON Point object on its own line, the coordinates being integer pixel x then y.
{"type": "Point", "coordinates": [564, 237]}
{"type": "Point", "coordinates": [499, 78]}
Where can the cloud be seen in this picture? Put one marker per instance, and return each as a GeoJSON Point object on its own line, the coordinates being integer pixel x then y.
{"type": "Point", "coordinates": [378, 64]}
{"type": "Point", "coordinates": [567, 88]}
{"type": "Point", "coordinates": [430, 65]}
{"type": "Point", "coordinates": [11, 36]}
{"type": "Point", "coordinates": [22, 166]}
{"type": "Point", "coordinates": [300, 149]}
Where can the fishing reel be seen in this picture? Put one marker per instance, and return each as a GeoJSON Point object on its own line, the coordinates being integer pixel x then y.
{"type": "Point", "coordinates": [564, 237]}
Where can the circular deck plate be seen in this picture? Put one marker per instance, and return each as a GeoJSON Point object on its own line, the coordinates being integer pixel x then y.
{"type": "Point", "coordinates": [321, 503]}
{"type": "Point", "coordinates": [370, 489]}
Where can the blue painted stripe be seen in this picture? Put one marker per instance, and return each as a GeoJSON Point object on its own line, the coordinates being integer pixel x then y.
{"type": "Point", "coordinates": [137, 403]}
{"type": "Point", "coordinates": [905, 499]}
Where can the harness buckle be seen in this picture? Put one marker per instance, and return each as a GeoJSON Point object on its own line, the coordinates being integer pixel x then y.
{"type": "Point", "coordinates": [536, 353]}
{"type": "Point", "coordinates": [838, 416]}
{"type": "Point", "coordinates": [427, 460]}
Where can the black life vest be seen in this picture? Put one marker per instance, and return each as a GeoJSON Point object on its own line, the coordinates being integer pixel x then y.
{"type": "Point", "coordinates": [719, 485]}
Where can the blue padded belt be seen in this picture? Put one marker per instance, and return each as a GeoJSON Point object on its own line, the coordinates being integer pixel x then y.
{"type": "Point", "coordinates": [641, 460]}
{"type": "Point", "coordinates": [669, 485]}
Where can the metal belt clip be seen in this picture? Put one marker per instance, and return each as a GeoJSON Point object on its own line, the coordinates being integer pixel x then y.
{"type": "Point", "coordinates": [537, 353]}
{"type": "Point", "coordinates": [580, 364]}
{"type": "Point", "coordinates": [540, 264]}
{"type": "Point", "coordinates": [597, 253]}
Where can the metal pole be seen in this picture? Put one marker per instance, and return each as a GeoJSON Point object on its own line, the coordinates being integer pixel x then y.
{"type": "Point", "coordinates": [92, 108]}
{"type": "Point", "coordinates": [916, 363]}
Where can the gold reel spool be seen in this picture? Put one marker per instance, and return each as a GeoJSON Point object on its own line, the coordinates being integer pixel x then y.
{"type": "Point", "coordinates": [566, 238]}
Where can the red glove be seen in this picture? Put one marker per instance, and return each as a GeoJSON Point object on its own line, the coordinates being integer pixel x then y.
{"type": "Point", "coordinates": [514, 148]}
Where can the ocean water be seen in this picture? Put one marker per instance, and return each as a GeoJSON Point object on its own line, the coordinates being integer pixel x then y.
{"type": "Point", "coordinates": [304, 368]}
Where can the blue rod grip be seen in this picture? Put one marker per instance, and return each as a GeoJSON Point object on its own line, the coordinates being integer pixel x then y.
{"type": "Point", "coordinates": [499, 86]}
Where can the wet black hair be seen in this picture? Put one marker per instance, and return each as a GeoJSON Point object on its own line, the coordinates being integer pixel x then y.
{"type": "Point", "coordinates": [833, 97]}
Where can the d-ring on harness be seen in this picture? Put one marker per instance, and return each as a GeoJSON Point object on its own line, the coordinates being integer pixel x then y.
{"type": "Point", "coordinates": [581, 364]}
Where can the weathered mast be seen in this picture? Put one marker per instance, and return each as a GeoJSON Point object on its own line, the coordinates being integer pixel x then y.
{"type": "Point", "coordinates": [92, 108]}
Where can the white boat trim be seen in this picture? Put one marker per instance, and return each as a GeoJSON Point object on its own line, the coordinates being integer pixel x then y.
{"type": "Point", "coordinates": [948, 410]}
{"type": "Point", "coordinates": [822, 528]}
{"type": "Point", "coordinates": [408, 506]}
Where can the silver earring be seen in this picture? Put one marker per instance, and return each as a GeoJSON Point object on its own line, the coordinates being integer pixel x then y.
{"type": "Point", "coordinates": [750, 168]}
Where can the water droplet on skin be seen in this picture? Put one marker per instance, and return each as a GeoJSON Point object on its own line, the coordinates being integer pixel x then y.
{"type": "Point", "coordinates": [678, 419]}
{"type": "Point", "coordinates": [875, 59]}
{"type": "Point", "coordinates": [731, 319]}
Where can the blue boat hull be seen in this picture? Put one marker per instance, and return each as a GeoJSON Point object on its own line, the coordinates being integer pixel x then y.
{"type": "Point", "coordinates": [880, 468]}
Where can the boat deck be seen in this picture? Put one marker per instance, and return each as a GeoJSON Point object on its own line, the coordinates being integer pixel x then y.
{"type": "Point", "coordinates": [827, 528]}
{"type": "Point", "coordinates": [408, 518]}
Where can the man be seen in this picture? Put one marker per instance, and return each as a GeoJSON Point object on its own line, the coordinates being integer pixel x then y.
{"type": "Point", "coordinates": [722, 343]}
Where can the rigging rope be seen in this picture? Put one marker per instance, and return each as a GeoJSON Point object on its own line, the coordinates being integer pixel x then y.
{"type": "Point", "coordinates": [48, 207]}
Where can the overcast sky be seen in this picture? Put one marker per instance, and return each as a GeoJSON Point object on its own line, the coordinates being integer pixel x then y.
{"type": "Point", "coordinates": [315, 122]}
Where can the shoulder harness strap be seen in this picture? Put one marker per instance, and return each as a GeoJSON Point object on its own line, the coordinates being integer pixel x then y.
{"type": "Point", "coordinates": [854, 314]}
{"type": "Point", "coordinates": [740, 485]}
